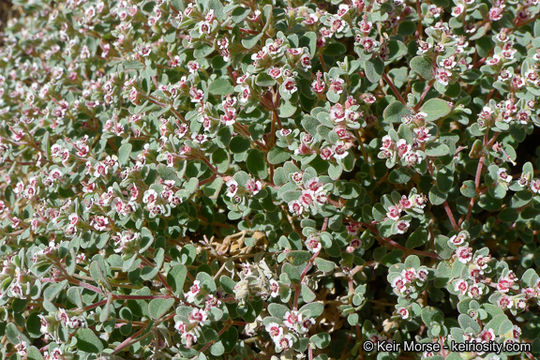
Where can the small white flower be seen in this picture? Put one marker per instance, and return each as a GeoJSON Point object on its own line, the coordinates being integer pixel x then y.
{"type": "Point", "coordinates": [292, 318]}
{"type": "Point", "coordinates": [232, 188]}
{"type": "Point", "coordinates": [461, 286]}
{"type": "Point", "coordinates": [275, 331]}
{"type": "Point", "coordinates": [197, 316]}
{"type": "Point", "coordinates": [274, 287]}
{"type": "Point", "coordinates": [284, 343]}
{"type": "Point", "coordinates": [404, 313]}
{"type": "Point", "coordinates": [402, 226]}
{"type": "Point", "coordinates": [194, 290]}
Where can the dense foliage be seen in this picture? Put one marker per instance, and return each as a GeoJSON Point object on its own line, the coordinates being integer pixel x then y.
{"type": "Point", "coordinates": [268, 179]}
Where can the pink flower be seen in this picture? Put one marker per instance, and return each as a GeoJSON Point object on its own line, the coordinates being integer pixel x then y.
{"type": "Point", "coordinates": [190, 338]}
{"type": "Point", "coordinates": [274, 287]}
{"type": "Point", "coordinates": [404, 313]}
{"type": "Point", "coordinates": [313, 244]}
{"type": "Point", "coordinates": [305, 325]}
{"type": "Point", "coordinates": [197, 316]}
{"type": "Point", "coordinates": [295, 207]}
{"type": "Point", "coordinates": [99, 223]}
{"type": "Point", "coordinates": [504, 284]}
{"type": "Point", "coordinates": [150, 196]}
{"type": "Point", "coordinates": [461, 286]}
{"type": "Point", "coordinates": [289, 85]}
{"type": "Point", "coordinates": [505, 302]}
{"type": "Point", "coordinates": [402, 226]}
{"type": "Point", "coordinates": [180, 327]}
{"type": "Point", "coordinates": [393, 212]}
{"type": "Point", "coordinates": [535, 186]}
{"type": "Point", "coordinates": [232, 188]}
{"type": "Point", "coordinates": [487, 335]}
{"type": "Point", "coordinates": [292, 318]}
{"type": "Point", "coordinates": [464, 254]}
{"type": "Point", "coordinates": [274, 72]}
{"type": "Point", "coordinates": [409, 274]}
{"type": "Point", "coordinates": [254, 186]}
{"type": "Point", "coordinates": [503, 175]}
{"type": "Point", "coordinates": [284, 343]}
{"type": "Point", "coordinates": [337, 113]}
{"type": "Point", "coordinates": [340, 151]}
{"type": "Point", "coordinates": [398, 283]}
{"type": "Point", "coordinates": [274, 330]}
{"type": "Point", "coordinates": [405, 203]}
{"type": "Point", "coordinates": [73, 219]}
{"type": "Point", "coordinates": [194, 290]}
{"type": "Point", "coordinates": [475, 291]}
{"type": "Point", "coordinates": [495, 14]}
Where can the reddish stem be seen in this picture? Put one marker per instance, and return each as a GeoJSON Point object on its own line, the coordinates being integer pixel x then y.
{"type": "Point", "coordinates": [450, 216]}
{"type": "Point", "coordinates": [394, 89]}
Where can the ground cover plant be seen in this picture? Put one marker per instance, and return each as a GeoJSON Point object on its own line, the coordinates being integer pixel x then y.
{"type": "Point", "coordinates": [269, 179]}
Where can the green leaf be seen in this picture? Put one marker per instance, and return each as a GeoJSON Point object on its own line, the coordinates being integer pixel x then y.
{"type": "Point", "coordinates": [310, 124]}
{"type": "Point", "coordinates": [406, 28]}
{"type": "Point", "coordinates": [12, 333]}
{"type": "Point", "coordinates": [309, 40]}
{"type": "Point", "coordinates": [467, 189]}
{"type": "Point", "coordinates": [278, 156]}
{"type": "Point", "coordinates": [221, 160]}
{"type": "Point", "coordinates": [437, 149]}
{"type": "Point", "coordinates": [98, 273]}
{"type": "Point", "coordinates": [529, 278]}
{"type": "Point", "coordinates": [320, 340]}
{"type": "Point", "coordinates": [334, 171]}
{"type": "Point", "coordinates": [220, 86]}
{"type": "Point", "coordinates": [217, 349]}
{"type": "Point", "coordinates": [508, 215]}
{"type": "Point", "coordinates": [373, 69]}
{"type": "Point", "coordinates": [334, 49]}
{"type": "Point", "coordinates": [412, 261]}
{"type": "Point", "coordinates": [286, 109]}
{"type": "Point", "coordinates": [229, 339]}
{"type": "Point", "coordinates": [436, 196]}
{"type": "Point", "coordinates": [496, 323]}
{"type": "Point", "coordinates": [299, 257]}
{"type": "Point", "coordinates": [417, 238]}
{"type": "Point", "coordinates": [313, 309]}
{"type": "Point", "coordinates": [33, 325]}
{"type": "Point", "coordinates": [505, 327]}
{"type": "Point", "coordinates": [239, 14]}
{"type": "Point", "coordinates": [465, 321]}
{"type": "Point", "coordinates": [293, 272]}
{"type": "Point", "coordinates": [251, 41]}
{"type": "Point", "coordinates": [445, 180]}
{"type": "Point", "coordinates": [158, 307]}
{"type": "Point", "coordinates": [399, 176]}
{"type": "Point", "coordinates": [239, 144]}
{"type": "Point", "coordinates": [277, 310]}
{"type": "Point", "coordinates": [88, 342]}
{"type": "Point", "coordinates": [256, 165]}
{"type": "Point", "coordinates": [133, 65]}
{"type": "Point", "coordinates": [147, 239]}
{"type": "Point", "coordinates": [202, 50]}
{"type": "Point", "coordinates": [307, 294]}
{"type": "Point", "coordinates": [394, 112]}
{"type": "Point", "coordinates": [264, 80]}
{"type": "Point", "coordinates": [34, 354]}
{"type": "Point", "coordinates": [422, 66]}
{"type": "Point", "coordinates": [436, 109]}
{"type": "Point", "coordinates": [324, 265]}
{"type": "Point", "coordinates": [176, 278]}
{"type": "Point", "coordinates": [104, 315]}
